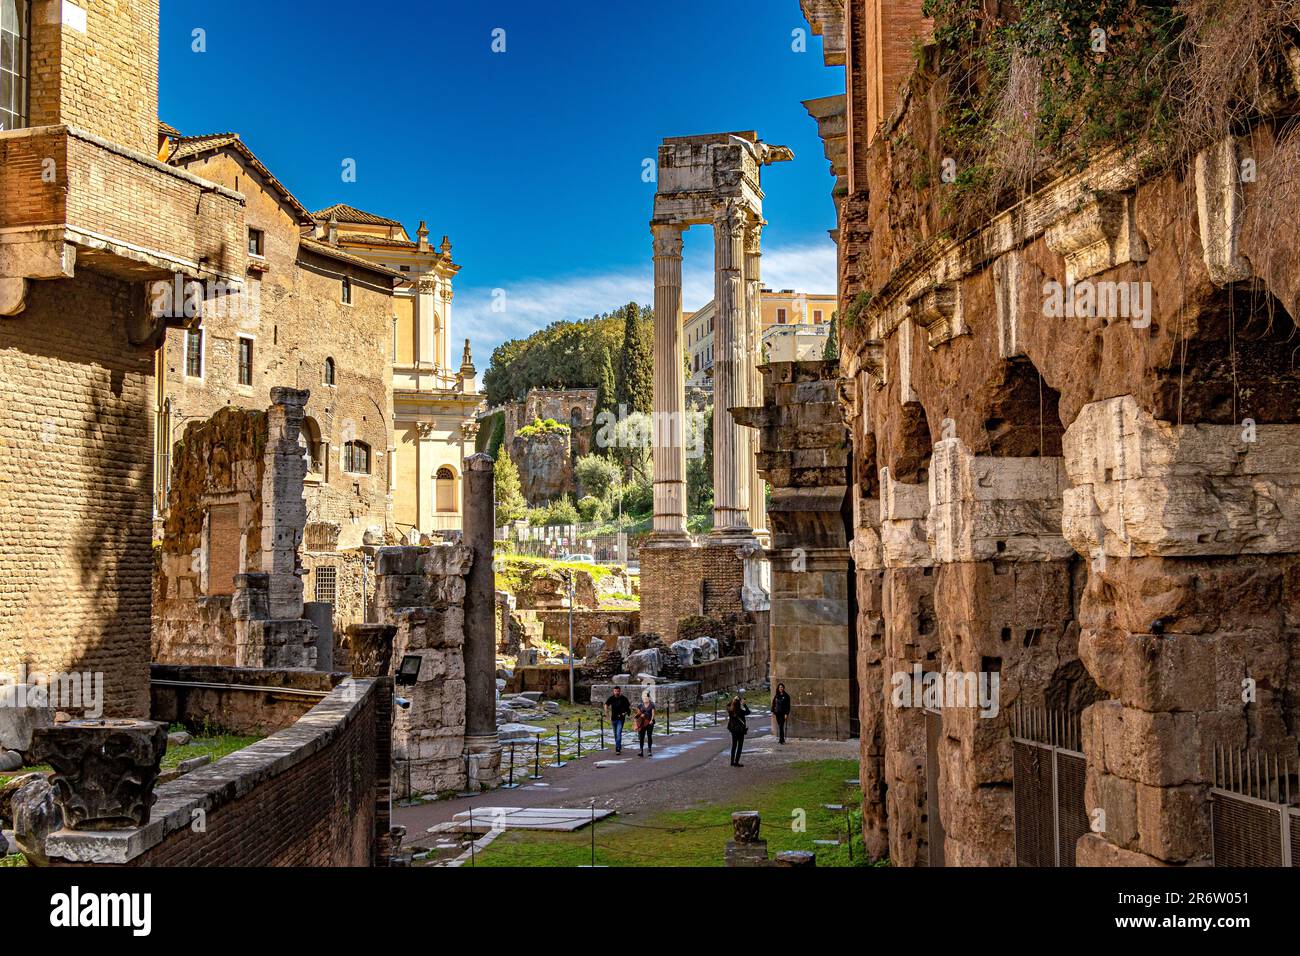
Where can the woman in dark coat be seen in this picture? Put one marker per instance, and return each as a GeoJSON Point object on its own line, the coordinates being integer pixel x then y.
{"type": "Point", "coordinates": [780, 709]}
{"type": "Point", "coordinates": [736, 714]}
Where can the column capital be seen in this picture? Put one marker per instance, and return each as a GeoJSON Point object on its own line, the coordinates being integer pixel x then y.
{"type": "Point", "coordinates": [754, 236]}
{"type": "Point", "coordinates": [667, 241]}
{"type": "Point", "coordinates": [731, 215]}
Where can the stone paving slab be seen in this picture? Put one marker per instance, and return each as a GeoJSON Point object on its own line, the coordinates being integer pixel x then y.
{"type": "Point", "coordinates": [528, 818]}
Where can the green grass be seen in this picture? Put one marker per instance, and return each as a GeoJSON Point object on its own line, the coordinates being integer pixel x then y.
{"type": "Point", "coordinates": [697, 836]}
{"type": "Point", "coordinates": [216, 745]}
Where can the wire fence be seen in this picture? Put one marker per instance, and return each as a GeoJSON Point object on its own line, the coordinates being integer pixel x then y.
{"type": "Point", "coordinates": [525, 759]}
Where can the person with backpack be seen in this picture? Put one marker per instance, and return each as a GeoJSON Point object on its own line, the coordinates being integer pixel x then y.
{"type": "Point", "coordinates": [736, 714]}
{"type": "Point", "coordinates": [645, 723]}
{"type": "Point", "coordinates": [780, 710]}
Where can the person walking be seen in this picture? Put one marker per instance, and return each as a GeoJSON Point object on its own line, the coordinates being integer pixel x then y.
{"type": "Point", "coordinates": [618, 707]}
{"type": "Point", "coordinates": [645, 723]}
{"type": "Point", "coordinates": [736, 714]}
{"type": "Point", "coordinates": [780, 710]}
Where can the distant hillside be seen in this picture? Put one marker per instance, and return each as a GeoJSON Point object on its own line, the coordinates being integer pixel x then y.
{"type": "Point", "coordinates": [569, 354]}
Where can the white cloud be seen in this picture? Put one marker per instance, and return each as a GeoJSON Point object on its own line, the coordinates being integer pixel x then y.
{"type": "Point", "coordinates": [533, 304]}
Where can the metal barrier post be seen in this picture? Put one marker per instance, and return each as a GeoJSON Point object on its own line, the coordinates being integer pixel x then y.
{"type": "Point", "coordinates": [579, 738]}
{"type": "Point", "coordinates": [537, 759]}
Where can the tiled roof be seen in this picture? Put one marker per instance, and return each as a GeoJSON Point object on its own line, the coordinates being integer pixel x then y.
{"type": "Point", "coordinates": [334, 252]}
{"type": "Point", "coordinates": [167, 129]}
{"type": "Point", "coordinates": [189, 147]}
{"type": "Point", "coordinates": [367, 239]}
{"type": "Point", "coordinates": [345, 213]}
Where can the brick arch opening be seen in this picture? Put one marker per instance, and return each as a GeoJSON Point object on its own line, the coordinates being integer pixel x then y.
{"type": "Point", "coordinates": [1023, 418]}
{"type": "Point", "coordinates": [1240, 358]}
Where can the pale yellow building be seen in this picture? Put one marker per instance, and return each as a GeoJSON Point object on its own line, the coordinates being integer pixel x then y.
{"type": "Point", "coordinates": [435, 392]}
{"type": "Point", "coordinates": [783, 308]}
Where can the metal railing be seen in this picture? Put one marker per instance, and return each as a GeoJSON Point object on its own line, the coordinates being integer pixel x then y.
{"type": "Point", "coordinates": [1048, 772]}
{"type": "Point", "coordinates": [1254, 817]}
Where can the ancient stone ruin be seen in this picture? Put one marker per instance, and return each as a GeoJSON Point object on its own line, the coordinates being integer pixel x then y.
{"type": "Point", "coordinates": [1075, 479]}
{"type": "Point", "coordinates": [228, 575]}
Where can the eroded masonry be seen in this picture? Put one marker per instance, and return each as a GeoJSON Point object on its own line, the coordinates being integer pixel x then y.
{"type": "Point", "coordinates": [1075, 480]}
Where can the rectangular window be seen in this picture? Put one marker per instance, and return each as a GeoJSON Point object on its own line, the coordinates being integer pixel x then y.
{"type": "Point", "coordinates": [347, 290]}
{"type": "Point", "coordinates": [194, 353]}
{"type": "Point", "coordinates": [256, 239]}
{"type": "Point", "coordinates": [817, 315]}
{"type": "Point", "coordinates": [780, 316]}
{"type": "Point", "coordinates": [327, 584]}
{"type": "Point", "coordinates": [245, 360]}
{"type": "Point", "coordinates": [15, 17]}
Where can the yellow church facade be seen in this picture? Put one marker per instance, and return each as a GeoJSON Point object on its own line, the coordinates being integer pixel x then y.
{"type": "Point", "coordinates": [435, 392]}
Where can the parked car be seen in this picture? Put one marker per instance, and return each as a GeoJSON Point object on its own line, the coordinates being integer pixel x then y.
{"type": "Point", "coordinates": [583, 558]}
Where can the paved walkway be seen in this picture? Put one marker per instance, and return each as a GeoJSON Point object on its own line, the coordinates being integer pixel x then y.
{"type": "Point", "coordinates": [686, 766]}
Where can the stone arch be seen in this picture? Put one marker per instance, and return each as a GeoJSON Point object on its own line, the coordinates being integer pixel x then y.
{"type": "Point", "coordinates": [1023, 418]}
{"type": "Point", "coordinates": [1240, 359]}
{"type": "Point", "coordinates": [309, 439]}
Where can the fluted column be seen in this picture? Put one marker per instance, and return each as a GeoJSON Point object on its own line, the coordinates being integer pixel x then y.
{"type": "Point", "coordinates": [754, 379]}
{"type": "Point", "coordinates": [731, 468]}
{"type": "Point", "coordinates": [669, 427]}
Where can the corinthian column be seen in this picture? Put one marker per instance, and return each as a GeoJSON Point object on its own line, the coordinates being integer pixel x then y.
{"type": "Point", "coordinates": [731, 468]}
{"type": "Point", "coordinates": [669, 427]}
{"type": "Point", "coordinates": [753, 378]}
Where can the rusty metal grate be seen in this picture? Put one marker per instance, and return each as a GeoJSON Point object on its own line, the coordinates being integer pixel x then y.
{"type": "Point", "coordinates": [1253, 817]}
{"type": "Point", "coordinates": [1072, 816]}
{"type": "Point", "coordinates": [1047, 786]}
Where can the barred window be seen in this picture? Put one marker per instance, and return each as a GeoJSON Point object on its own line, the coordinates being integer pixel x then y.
{"type": "Point", "coordinates": [356, 457]}
{"type": "Point", "coordinates": [15, 18]}
{"type": "Point", "coordinates": [326, 584]}
{"type": "Point", "coordinates": [194, 353]}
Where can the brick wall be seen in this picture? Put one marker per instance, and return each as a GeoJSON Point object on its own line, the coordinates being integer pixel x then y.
{"type": "Point", "coordinates": [293, 311]}
{"type": "Point", "coordinates": [128, 197]}
{"type": "Point", "coordinates": [74, 490]}
{"type": "Point", "coordinates": [314, 794]}
{"type": "Point", "coordinates": [681, 582]}
{"type": "Point", "coordinates": [586, 625]}
{"type": "Point", "coordinates": [105, 79]}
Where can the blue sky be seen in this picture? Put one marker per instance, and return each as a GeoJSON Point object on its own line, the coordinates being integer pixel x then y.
{"type": "Point", "coordinates": [531, 159]}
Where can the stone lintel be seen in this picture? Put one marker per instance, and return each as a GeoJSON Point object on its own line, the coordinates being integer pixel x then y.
{"type": "Point", "coordinates": [984, 508]}
{"type": "Point", "coordinates": [1145, 487]}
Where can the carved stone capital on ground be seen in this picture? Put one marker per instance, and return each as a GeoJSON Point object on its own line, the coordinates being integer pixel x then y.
{"type": "Point", "coordinates": [104, 770]}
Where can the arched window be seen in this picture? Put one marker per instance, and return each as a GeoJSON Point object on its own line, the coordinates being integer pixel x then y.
{"type": "Point", "coordinates": [356, 457]}
{"type": "Point", "coordinates": [445, 489]}
{"type": "Point", "coordinates": [329, 371]}
{"type": "Point", "coordinates": [312, 449]}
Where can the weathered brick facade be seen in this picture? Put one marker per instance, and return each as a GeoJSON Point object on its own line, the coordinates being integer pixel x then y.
{"type": "Point", "coordinates": [677, 583]}
{"type": "Point", "coordinates": [88, 216]}
{"type": "Point", "coordinates": [75, 558]}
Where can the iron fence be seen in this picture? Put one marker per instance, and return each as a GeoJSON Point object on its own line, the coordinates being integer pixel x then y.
{"type": "Point", "coordinates": [1254, 817]}
{"type": "Point", "coordinates": [1048, 771]}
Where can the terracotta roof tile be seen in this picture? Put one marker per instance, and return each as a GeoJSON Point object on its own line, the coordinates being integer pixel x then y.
{"type": "Point", "coordinates": [345, 213]}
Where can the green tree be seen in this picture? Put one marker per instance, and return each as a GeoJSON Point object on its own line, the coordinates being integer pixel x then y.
{"type": "Point", "coordinates": [832, 351]}
{"type": "Point", "coordinates": [606, 385]}
{"type": "Point", "coordinates": [562, 511]}
{"type": "Point", "coordinates": [596, 475]}
{"type": "Point", "coordinates": [511, 505]}
{"type": "Point", "coordinates": [634, 385]}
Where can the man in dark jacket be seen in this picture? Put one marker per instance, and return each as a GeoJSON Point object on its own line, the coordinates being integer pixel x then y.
{"type": "Point", "coordinates": [618, 707]}
{"type": "Point", "coordinates": [781, 709]}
